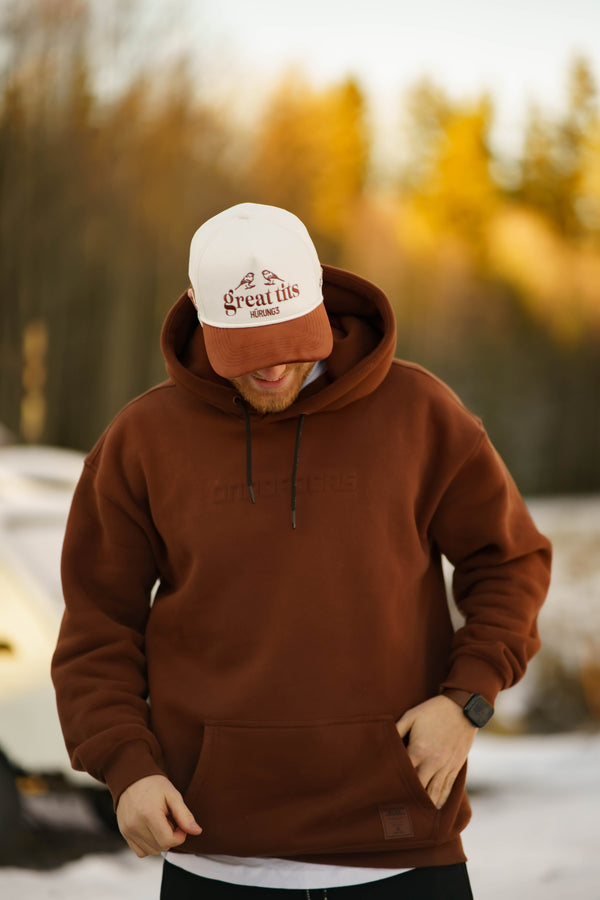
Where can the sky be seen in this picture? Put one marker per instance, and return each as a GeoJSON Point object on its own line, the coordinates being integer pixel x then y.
{"type": "Point", "coordinates": [518, 50]}
{"type": "Point", "coordinates": [518, 44]}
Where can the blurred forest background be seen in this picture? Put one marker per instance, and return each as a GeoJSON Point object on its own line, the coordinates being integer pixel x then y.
{"type": "Point", "coordinates": [492, 263]}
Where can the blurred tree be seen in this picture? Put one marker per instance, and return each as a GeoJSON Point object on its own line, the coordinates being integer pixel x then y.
{"type": "Point", "coordinates": [99, 200]}
{"type": "Point", "coordinates": [497, 293]}
{"type": "Point", "coordinates": [44, 99]}
{"type": "Point", "coordinates": [427, 111]}
{"type": "Point", "coordinates": [448, 176]}
{"type": "Point", "coordinates": [587, 184]}
{"type": "Point", "coordinates": [557, 167]}
{"type": "Point", "coordinates": [312, 155]}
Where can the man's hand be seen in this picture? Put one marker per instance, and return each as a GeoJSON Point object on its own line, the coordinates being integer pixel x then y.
{"type": "Point", "coordinates": [152, 816]}
{"type": "Point", "coordinates": [440, 737]}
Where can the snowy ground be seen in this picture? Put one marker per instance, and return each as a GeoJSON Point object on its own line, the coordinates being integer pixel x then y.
{"type": "Point", "coordinates": [535, 832]}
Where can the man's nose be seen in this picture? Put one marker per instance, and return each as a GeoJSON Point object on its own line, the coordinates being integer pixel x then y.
{"type": "Point", "coordinates": [271, 373]}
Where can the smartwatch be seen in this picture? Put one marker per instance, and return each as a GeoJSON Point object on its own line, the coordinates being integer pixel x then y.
{"type": "Point", "coordinates": [475, 707]}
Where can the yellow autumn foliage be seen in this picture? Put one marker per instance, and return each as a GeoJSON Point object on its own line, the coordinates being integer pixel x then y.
{"type": "Point", "coordinates": [559, 283]}
{"type": "Point", "coordinates": [458, 194]}
{"type": "Point", "coordinates": [312, 152]}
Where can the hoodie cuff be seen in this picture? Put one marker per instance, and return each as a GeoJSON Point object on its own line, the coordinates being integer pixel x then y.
{"type": "Point", "coordinates": [475, 676]}
{"type": "Point", "coordinates": [130, 763]}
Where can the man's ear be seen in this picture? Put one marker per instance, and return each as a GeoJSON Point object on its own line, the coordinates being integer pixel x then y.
{"type": "Point", "coordinates": [190, 294]}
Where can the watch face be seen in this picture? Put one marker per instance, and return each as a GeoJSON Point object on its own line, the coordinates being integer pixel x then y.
{"type": "Point", "coordinates": [478, 710]}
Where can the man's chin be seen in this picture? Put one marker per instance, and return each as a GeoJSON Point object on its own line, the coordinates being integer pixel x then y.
{"type": "Point", "coordinates": [269, 401]}
{"type": "Point", "coordinates": [272, 400]}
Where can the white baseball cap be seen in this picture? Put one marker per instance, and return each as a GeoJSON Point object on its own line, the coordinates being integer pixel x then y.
{"type": "Point", "coordinates": [258, 289]}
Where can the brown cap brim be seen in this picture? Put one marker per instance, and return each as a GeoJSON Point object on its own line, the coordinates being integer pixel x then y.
{"type": "Point", "coordinates": [237, 351]}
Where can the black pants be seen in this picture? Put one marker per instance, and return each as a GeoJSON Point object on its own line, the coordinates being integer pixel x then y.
{"type": "Point", "coordinates": [426, 883]}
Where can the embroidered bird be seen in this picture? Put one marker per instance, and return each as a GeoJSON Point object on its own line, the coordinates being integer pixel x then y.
{"type": "Point", "coordinates": [270, 277]}
{"type": "Point", "coordinates": [247, 281]}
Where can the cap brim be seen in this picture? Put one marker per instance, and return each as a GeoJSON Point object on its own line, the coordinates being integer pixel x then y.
{"type": "Point", "coordinates": [236, 351]}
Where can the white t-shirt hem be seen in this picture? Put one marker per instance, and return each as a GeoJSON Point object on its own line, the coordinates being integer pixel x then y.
{"type": "Point", "coordinates": [282, 874]}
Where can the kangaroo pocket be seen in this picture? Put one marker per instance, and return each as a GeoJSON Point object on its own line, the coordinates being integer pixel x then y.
{"type": "Point", "coordinates": [262, 789]}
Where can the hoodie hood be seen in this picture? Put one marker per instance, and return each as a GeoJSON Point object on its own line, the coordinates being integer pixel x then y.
{"type": "Point", "coordinates": [364, 341]}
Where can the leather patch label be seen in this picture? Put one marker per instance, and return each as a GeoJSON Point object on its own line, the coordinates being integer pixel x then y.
{"type": "Point", "coordinates": [396, 822]}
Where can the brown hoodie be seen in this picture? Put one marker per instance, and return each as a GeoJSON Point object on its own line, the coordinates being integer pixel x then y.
{"type": "Point", "coordinates": [277, 659]}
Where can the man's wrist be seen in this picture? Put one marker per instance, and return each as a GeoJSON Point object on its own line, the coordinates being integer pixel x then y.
{"type": "Point", "coordinates": [475, 707]}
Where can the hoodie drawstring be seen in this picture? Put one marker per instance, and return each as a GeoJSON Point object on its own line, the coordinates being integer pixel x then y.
{"type": "Point", "coordinates": [243, 407]}
{"type": "Point", "coordinates": [295, 468]}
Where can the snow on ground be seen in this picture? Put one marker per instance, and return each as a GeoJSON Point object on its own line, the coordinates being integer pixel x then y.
{"type": "Point", "coordinates": [570, 618]}
{"type": "Point", "coordinates": [535, 831]}
{"type": "Point", "coordinates": [534, 834]}
{"type": "Point", "coordinates": [118, 877]}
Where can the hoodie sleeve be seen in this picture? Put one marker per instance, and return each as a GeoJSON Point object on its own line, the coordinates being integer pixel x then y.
{"type": "Point", "coordinates": [98, 668]}
{"type": "Point", "coordinates": [501, 573]}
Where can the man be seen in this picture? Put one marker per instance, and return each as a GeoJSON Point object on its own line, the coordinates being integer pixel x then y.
{"type": "Point", "coordinates": [292, 710]}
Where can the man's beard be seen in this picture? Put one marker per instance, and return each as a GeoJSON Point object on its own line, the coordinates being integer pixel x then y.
{"type": "Point", "coordinates": [273, 400]}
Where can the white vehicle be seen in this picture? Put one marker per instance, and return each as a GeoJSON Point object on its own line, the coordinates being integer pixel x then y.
{"type": "Point", "coordinates": [36, 486]}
